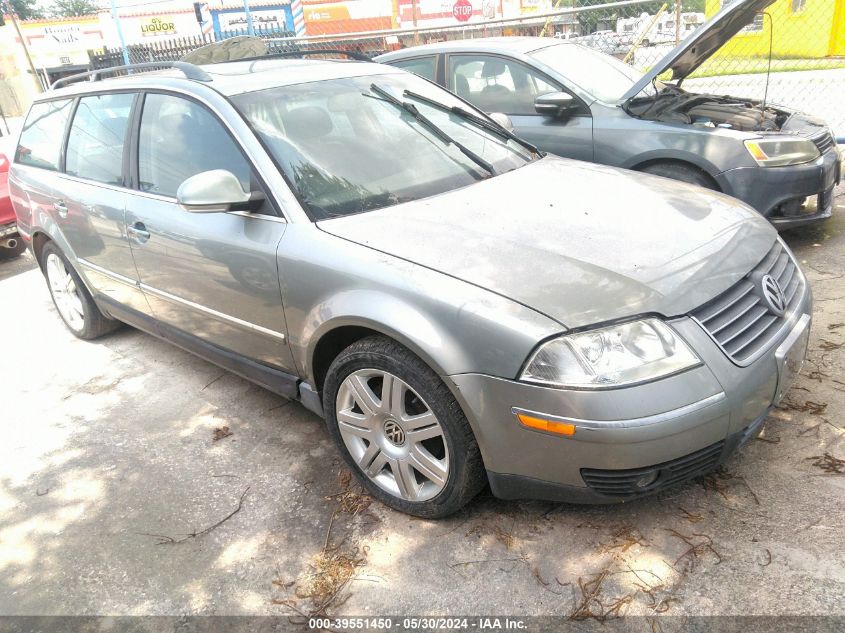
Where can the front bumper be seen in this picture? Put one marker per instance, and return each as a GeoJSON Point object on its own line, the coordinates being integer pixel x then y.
{"type": "Point", "coordinates": [675, 428]}
{"type": "Point", "coordinates": [778, 193]}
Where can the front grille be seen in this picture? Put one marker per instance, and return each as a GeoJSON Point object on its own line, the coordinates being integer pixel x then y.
{"type": "Point", "coordinates": [823, 141]}
{"type": "Point", "coordinates": [623, 483]}
{"type": "Point", "coordinates": [739, 319]}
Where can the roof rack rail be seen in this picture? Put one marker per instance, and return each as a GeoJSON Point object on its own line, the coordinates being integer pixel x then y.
{"type": "Point", "coordinates": [357, 56]}
{"type": "Point", "coordinates": [189, 70]}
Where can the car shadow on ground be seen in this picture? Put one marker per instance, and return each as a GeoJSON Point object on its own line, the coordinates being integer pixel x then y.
{"type": "Point", "coordinates": [138, 479]}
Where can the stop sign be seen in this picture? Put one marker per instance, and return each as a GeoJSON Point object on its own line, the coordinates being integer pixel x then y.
{"type": "Point", "coordinates": [462, 10]}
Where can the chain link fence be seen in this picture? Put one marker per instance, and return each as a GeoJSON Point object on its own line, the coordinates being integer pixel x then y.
{"type": "Point", "coordinates": [792, 54]}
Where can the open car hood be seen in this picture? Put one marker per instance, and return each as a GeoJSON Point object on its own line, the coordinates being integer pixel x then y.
{"type": "Point", "coordinates": [692, 51]}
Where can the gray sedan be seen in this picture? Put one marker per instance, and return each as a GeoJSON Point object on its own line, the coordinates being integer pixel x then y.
{"type": "Point", "coordinates": [579, 103]}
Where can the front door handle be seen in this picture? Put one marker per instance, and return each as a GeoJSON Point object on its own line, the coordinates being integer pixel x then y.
{"type": "Point", "coordinates": [138, 232]}
{"type": "Point", "coordinates": [61, 208]}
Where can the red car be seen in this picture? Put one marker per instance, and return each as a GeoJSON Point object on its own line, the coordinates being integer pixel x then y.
{"type": "Point", "coordinates": [11, 244]}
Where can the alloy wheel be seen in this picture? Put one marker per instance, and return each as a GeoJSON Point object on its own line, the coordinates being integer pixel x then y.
{"type": "Point", "coordinates": [392, 434]}
{"type": "Point", "coordinates": [65, 293]}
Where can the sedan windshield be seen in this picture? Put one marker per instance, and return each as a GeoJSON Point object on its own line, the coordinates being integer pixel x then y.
{"type": "Point", "coordinates": [363, 143]}
{"type": "Point", "coordinates": [599, 74]}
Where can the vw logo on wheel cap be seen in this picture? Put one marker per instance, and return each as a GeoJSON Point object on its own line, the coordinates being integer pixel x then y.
{"type": "Point", "coordinates": [394, 432]}
{"type": "Point", "coordinates": [773, 294]}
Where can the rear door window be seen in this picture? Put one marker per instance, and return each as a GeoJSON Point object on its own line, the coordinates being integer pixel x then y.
{"type": "Point", "coordinates": [40, 144]}
{"type": "Point", "coordinates": [97, 134]}
{"type": "Point", "coordinates": [422, 66]}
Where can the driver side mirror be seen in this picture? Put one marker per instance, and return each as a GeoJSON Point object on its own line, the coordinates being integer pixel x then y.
{"type": "Point", "coordinates": [556, 104]}
{"type": "Point", "coordinates": [212, 191]}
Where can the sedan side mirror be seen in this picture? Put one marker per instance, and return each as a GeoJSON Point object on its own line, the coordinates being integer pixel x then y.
{"type": "Point", "coordinates": [555, 104]}
{"type": "Point", "coordinates": [212, 191]}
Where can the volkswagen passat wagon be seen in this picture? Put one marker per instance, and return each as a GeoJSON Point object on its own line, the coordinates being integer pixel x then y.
{"type": "Point", "coordinates": [352, 236]}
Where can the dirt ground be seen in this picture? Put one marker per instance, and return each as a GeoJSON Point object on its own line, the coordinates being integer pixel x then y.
{"type": "Point", "coordinates": [123, 492]}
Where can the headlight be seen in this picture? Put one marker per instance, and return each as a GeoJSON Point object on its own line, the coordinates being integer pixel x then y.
{"type": "Point", "coordinates": [609, 357]}
{"type": "Point", "coordinates": [782, 151]}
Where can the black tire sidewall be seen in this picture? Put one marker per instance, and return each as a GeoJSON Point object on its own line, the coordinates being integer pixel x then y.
{"type": "Point", "coordinates": [465, 471]}
{"type": "Point", "coordinates": [679, 172]}
{"type": "Point", "coordinates": [95, 323]}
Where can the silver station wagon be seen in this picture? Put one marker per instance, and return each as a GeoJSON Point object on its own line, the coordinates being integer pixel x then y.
{"type": "Point", "coordinates": [352, 236]}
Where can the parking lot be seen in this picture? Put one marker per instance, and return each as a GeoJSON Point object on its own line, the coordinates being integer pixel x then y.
{"type": "Point", "coordinates": [138, 479]}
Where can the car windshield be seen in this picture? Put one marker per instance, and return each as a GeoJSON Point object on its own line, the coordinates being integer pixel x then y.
{"type": "Point", "coordinates": [603, 76]}
{"type": "Point", "coordinates": [347, 146]}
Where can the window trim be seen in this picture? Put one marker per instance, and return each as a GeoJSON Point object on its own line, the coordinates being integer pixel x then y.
{"type": "Point", "coordinates": [134, 175]}
{"type": "Point", "coordinates": [586, 112]}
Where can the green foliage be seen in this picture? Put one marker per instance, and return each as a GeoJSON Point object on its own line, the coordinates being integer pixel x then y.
{"type": "Point", "coordinates": [25, 9]}
{"type": "Point", "coordinates": [72, 8]}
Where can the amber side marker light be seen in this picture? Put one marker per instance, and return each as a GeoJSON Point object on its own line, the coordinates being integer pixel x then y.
{"type": "Point", "coordinates": [541, 424]}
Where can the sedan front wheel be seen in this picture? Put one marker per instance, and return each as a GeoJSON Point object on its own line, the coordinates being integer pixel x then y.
{"type": "Point", "coordinates": [401, 430]}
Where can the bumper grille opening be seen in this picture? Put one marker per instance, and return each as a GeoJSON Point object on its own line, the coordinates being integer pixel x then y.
{"type": "Point", "coordinates": [823, 141]}
{"type": "Point", "coordinates": [624, 483]}
{"type": "Point", "coordinates": [740, 320]}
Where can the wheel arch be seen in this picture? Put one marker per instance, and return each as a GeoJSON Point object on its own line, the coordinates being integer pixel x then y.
{"type": "Point", "coordinates": [39, 241]}
{"type": "Point", "coordinates": [693, 161]}
{"type": "Point", "coordinates": [341, 332]}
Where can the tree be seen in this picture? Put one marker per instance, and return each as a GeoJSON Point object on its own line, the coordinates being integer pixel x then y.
{"type": "Point", "coordinates": [72, 8]}
{"type": "Point", "coordinates": [26, 9]}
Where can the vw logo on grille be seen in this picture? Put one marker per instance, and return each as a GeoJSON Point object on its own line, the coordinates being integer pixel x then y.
{"type": "Point", "coordinates": [394, 432]}
{"type": "Point", "coordinates": [773, 294]}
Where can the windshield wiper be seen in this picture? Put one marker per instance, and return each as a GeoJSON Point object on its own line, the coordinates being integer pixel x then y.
{"type": "Point", "coordinates": [480, 122]}
{"type": "Point", "coordinates": [411, 109]}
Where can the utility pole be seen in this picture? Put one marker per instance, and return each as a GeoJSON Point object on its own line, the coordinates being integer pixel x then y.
{"type": "Point", "coordinates": [678, 8]}
{"type": "Point", "coordinates": [119, 33]}
{"type": "Point", "coordinates": [249, 27]}
{"type": "Point", "coordinates": [13, 17]}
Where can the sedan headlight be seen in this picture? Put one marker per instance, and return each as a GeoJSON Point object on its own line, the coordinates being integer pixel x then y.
{"type": "Point", "coordinates": [782, 151]}
{"type": "Point", "coordinates": [609, 357]}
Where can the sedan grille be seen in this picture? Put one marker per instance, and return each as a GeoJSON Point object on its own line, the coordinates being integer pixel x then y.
{"type": "Point", "coordinates": [823, 141]}
{"type": "Point", "coordinates": [741, 320]}
{"type": "Point", "coordinates": [637, 481]}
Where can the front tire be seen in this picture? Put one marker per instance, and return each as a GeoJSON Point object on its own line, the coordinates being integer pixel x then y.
{"type": "Point", "coordinates": [71, 298]}
{"type": "Point", "coordinates": [400, 429]}
{"type": "Point", "coordinates": [679, 171]}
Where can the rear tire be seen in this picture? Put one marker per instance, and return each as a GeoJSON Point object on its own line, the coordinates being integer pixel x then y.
{"type": "Point", "coordinates": [11, 253]}
{"type": "Point", "coordinates": [679, 171]}
{"type": "Point", "coordinates": [70, 296]}
{"type": "Point", "coordinates": [400, 429]}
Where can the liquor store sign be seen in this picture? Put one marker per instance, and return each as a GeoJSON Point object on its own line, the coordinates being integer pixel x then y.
{"type": "Point", "coordinates": [158, 25]}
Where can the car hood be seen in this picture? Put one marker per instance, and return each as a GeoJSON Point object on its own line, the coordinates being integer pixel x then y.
{"type": "Point", "coordinates": [692, 51]}
{"type": "Point", "coordinates": [578, 242]}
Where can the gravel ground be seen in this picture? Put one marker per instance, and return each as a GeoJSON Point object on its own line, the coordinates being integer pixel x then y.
{"type": "Point", "coordinates": [110, 475]}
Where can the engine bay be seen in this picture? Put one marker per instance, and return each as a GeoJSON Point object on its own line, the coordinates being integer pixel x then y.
{"type": "Point", "coordinates": [673, 105]}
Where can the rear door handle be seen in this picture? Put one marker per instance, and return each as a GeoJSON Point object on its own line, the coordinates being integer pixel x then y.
{"type": "Point", "coordinates": [61, 208]}
{"type": "Point", "coordinates": [138, 232]}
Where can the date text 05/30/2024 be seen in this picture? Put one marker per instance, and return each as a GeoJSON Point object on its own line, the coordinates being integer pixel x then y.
{"type": "Point", "coordinates": [421, 623]}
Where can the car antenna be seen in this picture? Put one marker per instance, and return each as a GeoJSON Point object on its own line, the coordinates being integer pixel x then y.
{"type": "Point", "coordinates": [769, 69]}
